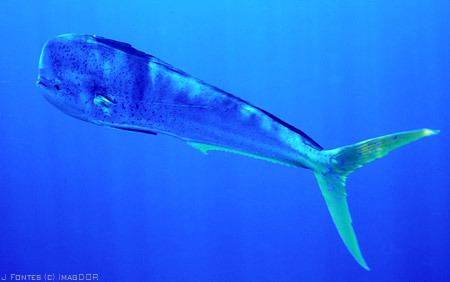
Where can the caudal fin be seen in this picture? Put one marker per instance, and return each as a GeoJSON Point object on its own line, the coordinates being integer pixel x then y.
{"type": "Point", "coordinates": [345, 160]}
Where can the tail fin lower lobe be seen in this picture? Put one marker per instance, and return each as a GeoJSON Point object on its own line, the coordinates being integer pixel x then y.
{"type": "Point", "coordinates": [345, 160]}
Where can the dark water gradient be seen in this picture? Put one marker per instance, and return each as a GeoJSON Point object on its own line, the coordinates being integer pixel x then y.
{"type": "Point", "coordinates": [77, 198]}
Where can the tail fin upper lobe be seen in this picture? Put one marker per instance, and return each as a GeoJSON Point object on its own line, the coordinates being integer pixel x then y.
{"type": "Point", "coordinates": [345, 160]}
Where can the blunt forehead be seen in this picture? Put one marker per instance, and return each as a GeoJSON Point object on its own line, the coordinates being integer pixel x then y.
{"type": "Point", "coordinates": [77, 52]}
{"type": "Point", "coordinates": [99, 66]}
{"type": "Point", "coordinates": [66, 45]}
{"type": "Point", "coordinates": [72, 51]}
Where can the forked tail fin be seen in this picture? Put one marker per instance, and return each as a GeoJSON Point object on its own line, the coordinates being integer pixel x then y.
{"type": "Point", "coordinates": [345, 160]}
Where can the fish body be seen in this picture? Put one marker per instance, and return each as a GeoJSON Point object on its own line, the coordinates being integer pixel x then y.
{"type": "Point", "coordinates": [110, 83]}
{"type": "Point", "coordinates": [133, 90]}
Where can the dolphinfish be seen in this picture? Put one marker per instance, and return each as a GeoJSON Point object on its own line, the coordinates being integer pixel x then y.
{"type": "Point", "coordinates": [110, 83]}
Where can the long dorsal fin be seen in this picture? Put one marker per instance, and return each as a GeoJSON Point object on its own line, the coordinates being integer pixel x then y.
{"type": "Point", "coordinates": [130, 50]}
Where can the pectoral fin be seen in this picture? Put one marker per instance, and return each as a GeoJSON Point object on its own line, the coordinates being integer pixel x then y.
{"type": "Point", "coordinates": [104, 104]}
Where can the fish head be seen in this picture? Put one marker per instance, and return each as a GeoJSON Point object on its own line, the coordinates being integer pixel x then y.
{"type": "Point", "coordinates": [72, 73]}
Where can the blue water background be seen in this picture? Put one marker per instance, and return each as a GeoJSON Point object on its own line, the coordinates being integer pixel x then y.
{"type": "Point", "coordinates": [78, 198]}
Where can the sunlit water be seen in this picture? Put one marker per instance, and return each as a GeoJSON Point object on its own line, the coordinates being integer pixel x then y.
{"type": "Point", "coordinates": [78, 198]}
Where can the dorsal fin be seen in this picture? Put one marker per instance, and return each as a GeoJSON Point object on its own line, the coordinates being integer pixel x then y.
{"type": "Point", "coordinates": [308, 139]}
{"type": "Point", "coordinates": [123, 46]}
{"type": "Point", "coordinates": [130, 50]}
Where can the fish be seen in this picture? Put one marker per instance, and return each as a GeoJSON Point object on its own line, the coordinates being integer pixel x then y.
{"type": "Point", "coordinates": [110, 83]}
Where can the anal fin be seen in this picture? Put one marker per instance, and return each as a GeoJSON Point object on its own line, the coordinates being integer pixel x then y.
{"type": "Point", "coordinates": [205, 148]}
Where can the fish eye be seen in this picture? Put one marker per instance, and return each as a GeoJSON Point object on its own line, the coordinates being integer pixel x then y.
{"type": "Point", "coordinates": [57, 87]}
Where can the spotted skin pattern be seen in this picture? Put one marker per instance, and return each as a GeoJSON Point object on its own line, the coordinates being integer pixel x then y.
{"type": "Point", "coordinates": [126, 88]}
{"type": "Point", "coordinates": [110, 83]}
